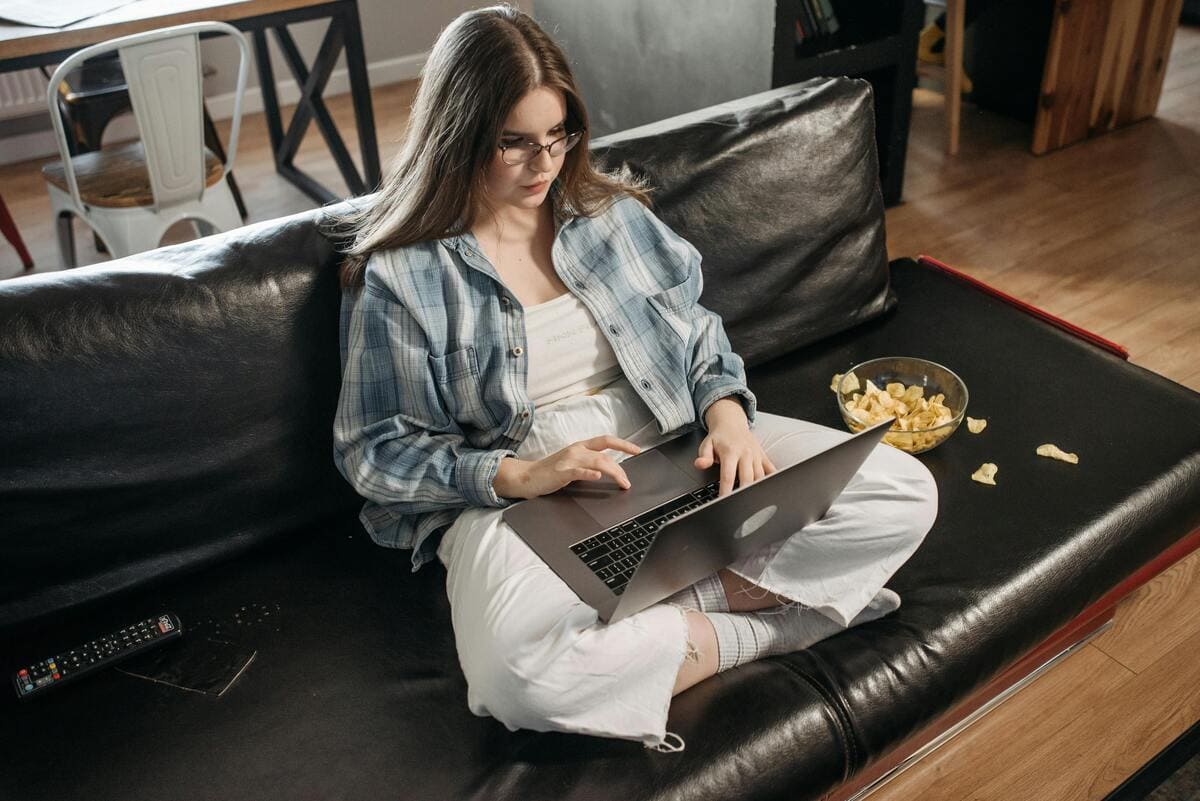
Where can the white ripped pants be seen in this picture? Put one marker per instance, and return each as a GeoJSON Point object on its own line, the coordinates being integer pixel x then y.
{"type": "Point", "coordinates": [536, 657]}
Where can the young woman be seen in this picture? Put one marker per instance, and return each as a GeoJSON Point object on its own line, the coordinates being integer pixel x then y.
{"type": "Point", "coordinates": [514, 321]}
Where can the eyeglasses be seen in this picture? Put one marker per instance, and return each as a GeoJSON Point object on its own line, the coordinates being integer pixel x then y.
{"type": "Point", "coordinates": [522, 152]}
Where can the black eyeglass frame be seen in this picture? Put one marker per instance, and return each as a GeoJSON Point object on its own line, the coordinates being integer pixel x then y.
{"type": "Point", "coordinates": [535, 149]}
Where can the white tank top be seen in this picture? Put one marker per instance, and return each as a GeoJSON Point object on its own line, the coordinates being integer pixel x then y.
{"type": "Point", "coordinates": [568, 354]}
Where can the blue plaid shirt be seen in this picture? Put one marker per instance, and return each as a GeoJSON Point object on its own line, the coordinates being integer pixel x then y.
{"type": "Point", "coordinates": [433, 353]}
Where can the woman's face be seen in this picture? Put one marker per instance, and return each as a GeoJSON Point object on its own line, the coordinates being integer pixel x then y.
{"type": "Point", "coordinates": [539, 116]}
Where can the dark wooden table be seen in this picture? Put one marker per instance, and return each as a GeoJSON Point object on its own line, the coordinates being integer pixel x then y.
{"type": "Point", "coordinates": [23, 46]}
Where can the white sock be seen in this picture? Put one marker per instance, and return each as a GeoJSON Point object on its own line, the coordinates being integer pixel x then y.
{"type": "Point", "coordinates": [744, 637]}
{"type": "Point", "coordinates": [706, 595]}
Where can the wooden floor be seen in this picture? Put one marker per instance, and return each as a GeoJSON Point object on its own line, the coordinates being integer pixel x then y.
{"type": "Point", "coordinates": [1106, 234]}
{"type": "Point", "coordinates": [1088, 723]}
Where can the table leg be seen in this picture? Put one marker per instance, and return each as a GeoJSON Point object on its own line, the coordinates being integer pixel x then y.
{"type": "Point", "coordinates": [344, 34]}
{"type": "Point", "coordinates": [312, 106]}
{"type": "Point", "coordinates": [360, 88]}
{"type": "Point", "coordinates": [266, 81]}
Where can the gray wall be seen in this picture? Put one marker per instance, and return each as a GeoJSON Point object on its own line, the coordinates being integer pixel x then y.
{"type": "Point", "coordinates": [637, 61]}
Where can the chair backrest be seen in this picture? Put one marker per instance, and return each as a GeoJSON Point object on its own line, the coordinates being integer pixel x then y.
{"type": "Point", "coordinates": [163, 73]}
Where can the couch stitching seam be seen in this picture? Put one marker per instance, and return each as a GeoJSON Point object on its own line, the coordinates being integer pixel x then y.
{"type": "Point", "coordinates": [849, 747]}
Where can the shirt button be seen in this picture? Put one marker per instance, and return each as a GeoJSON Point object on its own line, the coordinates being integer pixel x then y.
{"type": "Point", "coordinates": [518, 350]}
{"type": "Point", "coordinates": [645, 384]}
{"type": "Point", "coordinates": [504, 299]}
{"type": "Point", "coordinates": [612, 329]}
{"type": "Point", "coordinates": [579, 285]}
{"type": "Point", "coordinates": [525, 415]}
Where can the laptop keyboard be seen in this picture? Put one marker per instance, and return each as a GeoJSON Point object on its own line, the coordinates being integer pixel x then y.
{"type": "Point", "coordinates": [615, 553]}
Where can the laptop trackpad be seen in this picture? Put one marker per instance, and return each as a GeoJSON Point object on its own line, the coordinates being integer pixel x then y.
{"type": "Point", "coordinates": [654, 479]}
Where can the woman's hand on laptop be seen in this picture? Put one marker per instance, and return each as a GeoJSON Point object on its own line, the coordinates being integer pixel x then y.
{"type": "Point", "coordinates": [585, 460]}
{"type": "Point", "coordinates": [731, 443]}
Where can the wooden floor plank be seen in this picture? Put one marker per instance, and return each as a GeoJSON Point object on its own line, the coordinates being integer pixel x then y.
{"type": "Point", "coordinates": [982, 753]}
{"type": "Point", "coordinates": [1110, 739]}
{"type": "Point", "coordinates": [1176, 356]}
{"type": "Point", "coordinates": [1156, 623]}
{"type": "Point", "coordinates": [1103, 284]}
{"type": "Point", "coordinates": [1159, 617]}
{"type": "Point", "coordinates": [1126, 285]}
{"type": "Point", "coordinates": [1191, 381]}
{"type": "Point", "coordinates": [1143, 333]}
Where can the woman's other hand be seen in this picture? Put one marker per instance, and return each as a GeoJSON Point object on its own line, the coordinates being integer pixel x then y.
{"type": "Point", "coordinates": [580, 461]}
{"type": "Point", "coordinates": [732, 444]}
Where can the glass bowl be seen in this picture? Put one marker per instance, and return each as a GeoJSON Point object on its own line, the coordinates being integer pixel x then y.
{"type": "Point", "coordinates": [908, 370]}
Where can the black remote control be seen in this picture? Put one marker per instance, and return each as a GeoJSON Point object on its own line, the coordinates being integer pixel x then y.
{"type": "Point", "coordinates": [91, 656]}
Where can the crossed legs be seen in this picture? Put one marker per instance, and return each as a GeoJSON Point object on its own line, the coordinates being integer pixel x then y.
{"type": "Point", "coordinates": [535, 657]}
{"type": "Point", "coordinates": [701, 662]}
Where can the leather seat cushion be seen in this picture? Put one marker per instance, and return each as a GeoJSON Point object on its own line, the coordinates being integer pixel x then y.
{"type": "Point", "coordinates": [1005, 566]}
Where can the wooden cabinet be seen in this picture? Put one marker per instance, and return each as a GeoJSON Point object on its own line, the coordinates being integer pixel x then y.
{"type": "Point", "coordinates": [876, 41]}
{"type": "Point", "coordinates": [1104, 68]}
{"type": "Point", "coordinates": [1072, 68]}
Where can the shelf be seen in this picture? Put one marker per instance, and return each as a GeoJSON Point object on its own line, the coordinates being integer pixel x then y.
{"type": "Point", "coordinates": [859, 24]}
{"type": "Point", "coordinates": [850, 60]}
{"type": "Point", "coordinates": [875, 40]}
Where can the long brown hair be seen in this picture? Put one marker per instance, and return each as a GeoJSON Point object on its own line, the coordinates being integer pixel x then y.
{"type": "Point", "coordinates": [481, 66]}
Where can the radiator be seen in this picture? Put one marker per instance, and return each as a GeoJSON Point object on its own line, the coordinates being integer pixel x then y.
{"type": "Point", "coordinates": [22, 93]}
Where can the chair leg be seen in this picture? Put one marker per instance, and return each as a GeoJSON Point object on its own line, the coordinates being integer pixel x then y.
{"type": "Point", "coordinates": [66, 238]}
{"type": "Point", "coordinates": [85, 123]}
{"type": "Point", "coordinates": [14, 236]}
{"type": "Point", "coordinates": [213, 141]}
{"type": "Point", "coordinates": [237, 196]}
{"type": "Point", "coordinates": [220, 209]}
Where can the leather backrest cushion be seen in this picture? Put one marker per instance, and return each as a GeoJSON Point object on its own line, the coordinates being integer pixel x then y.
{"type": "Point", "coordinates": [165, 409]}
{"type": "Point", "coordinates": [779, 191]}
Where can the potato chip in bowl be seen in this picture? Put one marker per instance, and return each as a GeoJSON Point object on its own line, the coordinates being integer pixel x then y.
{"type": "Point", "coordinates": [927, 401]}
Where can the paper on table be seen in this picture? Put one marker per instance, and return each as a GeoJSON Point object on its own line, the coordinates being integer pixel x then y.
{"type": "Point", "coordinates": [55, 15]}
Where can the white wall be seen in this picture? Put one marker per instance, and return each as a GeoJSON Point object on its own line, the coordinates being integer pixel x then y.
{"type": "Point", "coordinates": [397, 36]}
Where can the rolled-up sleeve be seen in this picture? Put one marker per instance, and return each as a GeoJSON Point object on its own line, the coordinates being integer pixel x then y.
{"type": "Point", "coordinates": [714, 371]}
{"type": "Point", "coordinates": [393, 440]}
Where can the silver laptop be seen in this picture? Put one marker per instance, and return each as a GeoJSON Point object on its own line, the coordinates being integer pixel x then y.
{"type": "Point", "coordinates": [624, 550]}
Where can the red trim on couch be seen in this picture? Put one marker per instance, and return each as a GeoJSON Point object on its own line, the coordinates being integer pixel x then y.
{"type": "Point", "coordinates": [1041, 314]}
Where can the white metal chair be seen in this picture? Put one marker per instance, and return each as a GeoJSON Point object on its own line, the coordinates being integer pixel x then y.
{"type": "Point", "coordinates": [131, 194]}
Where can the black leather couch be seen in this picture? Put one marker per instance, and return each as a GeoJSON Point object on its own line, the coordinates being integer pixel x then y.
{"type": "Point", "coordinates": [165, 444]}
